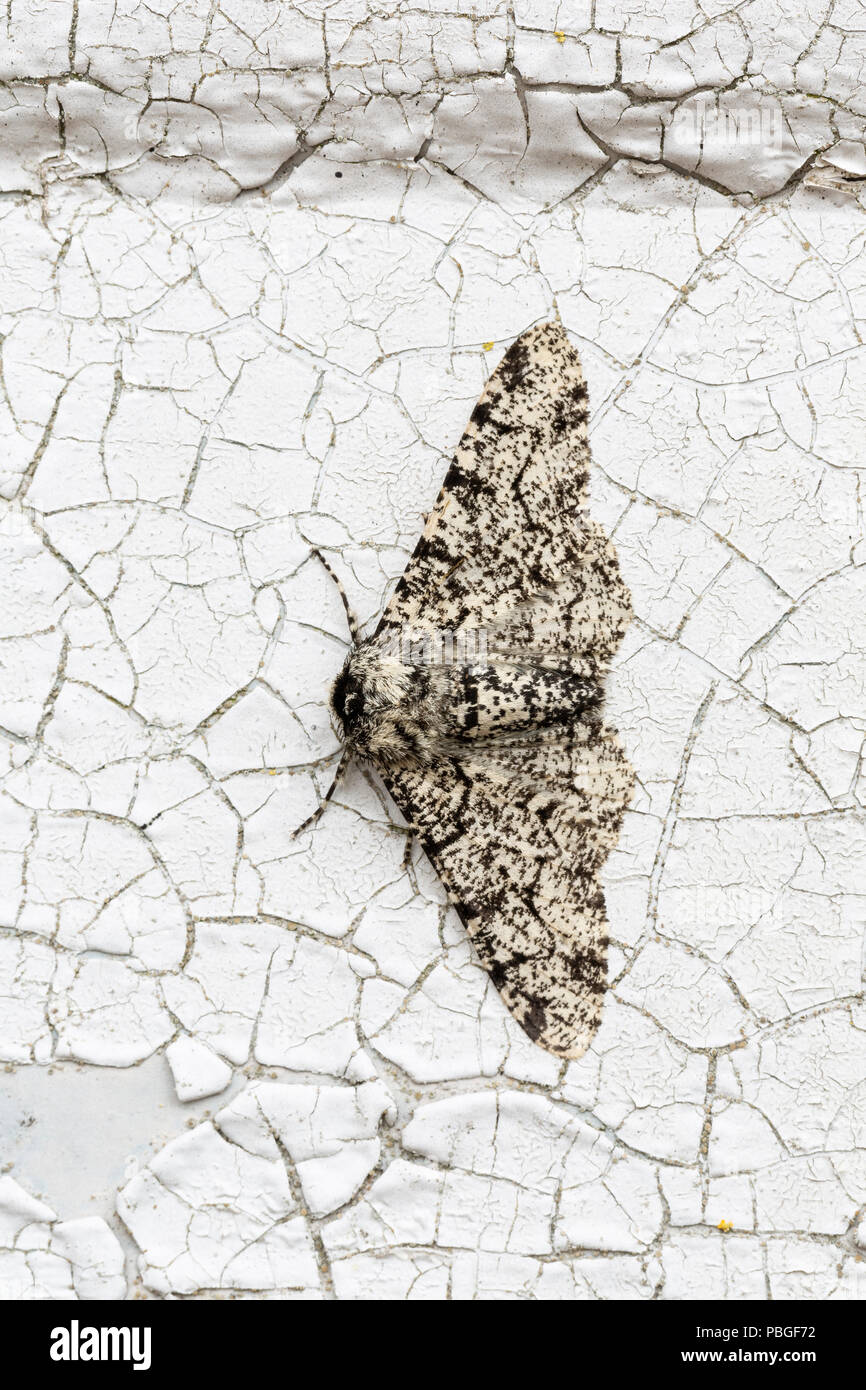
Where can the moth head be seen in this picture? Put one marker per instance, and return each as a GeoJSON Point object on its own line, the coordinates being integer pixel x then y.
{"type": "Point", "coordinates": [379, 704]}
{"type": "Point", "coordinates": [348, 700]}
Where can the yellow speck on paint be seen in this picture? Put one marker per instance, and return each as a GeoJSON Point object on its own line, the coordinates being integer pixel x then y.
{"type": "Point", "coordinates": [272, 772]}
{"type": "Point", "coordinates": [725, 1226]}
{"type": "Point", "coordinates": [487, 346]}
{"type": "Point", "coordinates": [559, 36]}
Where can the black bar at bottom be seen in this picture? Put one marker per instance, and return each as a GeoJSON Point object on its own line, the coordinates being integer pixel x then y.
{"type": "Point", "coordinates": [256, 1340]}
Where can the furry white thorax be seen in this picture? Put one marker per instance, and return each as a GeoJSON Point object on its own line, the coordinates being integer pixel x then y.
{"type": "Point", "coordinates": [390, 711]}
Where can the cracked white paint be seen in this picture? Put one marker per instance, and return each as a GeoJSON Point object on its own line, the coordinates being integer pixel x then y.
{"type": "Point", "coordinates": [196, 1069]}
{"type": "Point", "coordinates": [42, 1257]}
{"type": "Point", "coordinates": [256, 263]}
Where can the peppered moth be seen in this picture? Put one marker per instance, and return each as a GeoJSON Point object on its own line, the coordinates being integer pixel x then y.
{"type": "Point", "coordinates": [478, 698]}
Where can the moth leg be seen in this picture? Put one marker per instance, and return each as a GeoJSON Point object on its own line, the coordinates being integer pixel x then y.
{"type": "Point", "coordinates": [350, 617]}
{"type": "Point", "coordinates": [311, 820]}
{"type": "Point", "coordinates": [411, 832]}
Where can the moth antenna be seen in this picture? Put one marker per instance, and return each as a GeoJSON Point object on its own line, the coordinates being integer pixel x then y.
{"type": "Point", "coordinates": [350, 617]}
{"type": "Point", "coordinates": [311, 820]}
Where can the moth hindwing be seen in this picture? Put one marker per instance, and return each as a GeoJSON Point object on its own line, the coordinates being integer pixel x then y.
{"type": "Point", "coordinates": [478, 699]}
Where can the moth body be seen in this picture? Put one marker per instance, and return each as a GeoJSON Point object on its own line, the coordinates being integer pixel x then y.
{"type": "Point", "coordinates": [395, 710]}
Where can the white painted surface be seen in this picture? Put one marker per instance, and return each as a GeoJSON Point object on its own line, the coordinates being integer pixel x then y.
{"type": "Point", "coordinates": [255, 265]}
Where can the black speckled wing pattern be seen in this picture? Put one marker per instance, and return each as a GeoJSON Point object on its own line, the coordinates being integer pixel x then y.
{"type": "Point", "coordinates": [518, 820]}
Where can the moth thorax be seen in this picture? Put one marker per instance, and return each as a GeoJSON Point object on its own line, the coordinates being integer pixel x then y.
{"type": "Point", "coordinates": [388, 709]}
